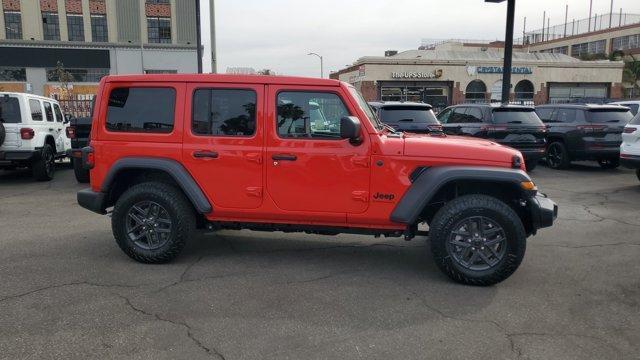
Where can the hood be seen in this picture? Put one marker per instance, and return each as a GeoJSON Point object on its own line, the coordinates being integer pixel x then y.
{"type": "Point", "coordinates": [459, 149]}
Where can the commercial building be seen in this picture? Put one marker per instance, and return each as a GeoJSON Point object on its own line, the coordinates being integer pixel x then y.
{"type": "Point", "coordinates": [452, 73]}
{"type": "Point", "coordinates": [91, 39]}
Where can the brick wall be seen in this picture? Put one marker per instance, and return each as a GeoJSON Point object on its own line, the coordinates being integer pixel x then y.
{"type": "Point", "coordinates": [11, 5]}
{"type": "Point", "coordinates": [48, 6]}
{"type": "Point", "coordinates": [97, 7]}
{"type": "Point", "coordinates": [369, 90]}
{"type": "Point", "coordinates": [541, 97]}
{"type": "Point", "coordinates": [457, 97]}
{"type": "Point", "coordinates": [73, 6]}
{"type": "Point", "coordinates": [617, 91]}
{"type": "Point", "coordinates": [160, 10]}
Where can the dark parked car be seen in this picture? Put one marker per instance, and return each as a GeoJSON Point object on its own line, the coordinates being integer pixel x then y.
{"type": "Point", "coordinates": [516, 126]}
{"type": "Point", "coordinates": [584, 132]}
{"type": "Point", "coordinates": [78, 131]}
{"type": "Point", "coordinates": [407, 116]}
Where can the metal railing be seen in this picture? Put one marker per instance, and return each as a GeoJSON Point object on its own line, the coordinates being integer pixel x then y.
{"type": "Point", "coordinates": [76, 108]}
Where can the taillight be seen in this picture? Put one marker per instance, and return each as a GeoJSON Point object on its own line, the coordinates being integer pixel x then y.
{"type": "Point", "coordinates": [71, 132]}
{"type": "Point", "coordinates": [493, 128]}
{"type": "Point", "coordinates": [629, 130]}
{"type": "Point", "coordinates": [27, 133]}
{"type": "Point", "coordinates": [591, 128]}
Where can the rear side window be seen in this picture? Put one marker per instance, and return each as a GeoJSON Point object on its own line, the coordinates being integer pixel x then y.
{"type": "Point", "coordinates": [224, 112]}
{"type": "Point", "coordinates": [48, 111]}
{"type": "Point", "coordinates": [310, 115]}
{"type": "Point", "coordinates": [408, 114]}
{"type": "Point", "coordinates": [148, 110]}
{"type": "Point", "coordinates": [36, 110]}
{"type": "Point", "coordinates": [516, 116]}
{"type": "Point", "coordinates": [609, 116]}
{"type": "Point", "coordinates": [565, 115]}
{"type": "Point", "coordinates": [10, 110]}
{"type": "Point", "coordinates": [56, 109]}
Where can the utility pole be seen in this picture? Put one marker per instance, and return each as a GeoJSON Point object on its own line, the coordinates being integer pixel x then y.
{"type": "Point", "coordinates": [610, 14]}
{"type": "Point", "coordinates": [544, 23]}
{"type": "Point", "coordinates": [198, 37]}
{"type": "Point", "coordinates": [566, 15]}
{"type": "Point", "coordinates": [590, 8]}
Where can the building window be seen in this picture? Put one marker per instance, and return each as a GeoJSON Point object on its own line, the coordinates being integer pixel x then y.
{"type": "Point", "coordinates": [75, 25]}
{"type": "Point", "coordinates": [626, 42]}
{"type": "Point", "coordinates": [79, 75]}
{"type": "Point", "coordinates": [159, 29]}
{"type": "Point", "coordinates": [50, 26]}
{"type": "Point", "coordinates": [476, 91]}
{"type": "Point", "coordinates": [13, 74]}
{"type": "Point", "coordinates": [13, 24]}
{"type": "Point", "coordinates": [590, 48]}
{"type": "Point", "coordinates": [99, 30]}
{"type": "Point", "coordinates": [141, 110]}
{"type": "Point", "coordinates": [156, 71]}
{"type": "Point", "coordinates": [557, 50]}
{"type": "Point", "coordinates": [524, 90]}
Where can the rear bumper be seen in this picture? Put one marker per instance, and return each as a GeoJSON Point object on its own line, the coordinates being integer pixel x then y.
{"type": "Point", "coordinates": [91, 200]}
{"type": "Point", "coordinates": [19, 156]}
{"type": "Point", "coordinates": [543, 211]}
{"type": "Point", "coordinates": [630, 161]}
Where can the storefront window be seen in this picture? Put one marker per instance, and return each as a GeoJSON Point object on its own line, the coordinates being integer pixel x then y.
{"type": "Point", "coordinates": [524, 91]}
{"type": "Point", "coordinates": [475, 91]}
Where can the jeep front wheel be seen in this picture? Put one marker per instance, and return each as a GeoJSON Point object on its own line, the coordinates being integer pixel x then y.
{"type": "Point", "coordinates": [477, 240]}
{"type": "Point", "coordinates": [152, 221]}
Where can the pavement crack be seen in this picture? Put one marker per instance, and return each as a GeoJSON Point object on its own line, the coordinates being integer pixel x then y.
{"type": "Point", "coordinates": [183, 275]}
{"type": "Point", "coordinates": [211, 351]}
{"type": "Point", "coordinates": [57, 286]}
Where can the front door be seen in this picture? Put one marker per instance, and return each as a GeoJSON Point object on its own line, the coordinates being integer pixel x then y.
{"type": "Point", "coordinates": [310, 168]}
{"type": "Point", "coordinates": [223, 143]}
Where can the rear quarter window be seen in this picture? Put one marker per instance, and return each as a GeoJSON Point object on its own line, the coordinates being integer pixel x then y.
{"type": "Point", "coordinates": [138, 109]}
{"type": "Point", "coordinates": [10, 110]}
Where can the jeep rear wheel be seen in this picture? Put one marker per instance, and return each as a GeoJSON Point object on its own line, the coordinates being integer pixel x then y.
{"type": "Point", "coordinates": [477, 240]}
{"type": "Point", "coordinates": [44, 168]}
{"type": "Point", "coordinates": [152, 222]}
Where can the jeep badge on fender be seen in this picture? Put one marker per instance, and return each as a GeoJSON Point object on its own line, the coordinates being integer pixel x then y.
{"type": "Point", "coordinates": [292, 154]}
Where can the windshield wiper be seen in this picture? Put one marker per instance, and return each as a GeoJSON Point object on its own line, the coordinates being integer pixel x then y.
{"type": "Point", "coordinates": [514, 122]}
{"type": "Point", "coordinates": [390, 128]}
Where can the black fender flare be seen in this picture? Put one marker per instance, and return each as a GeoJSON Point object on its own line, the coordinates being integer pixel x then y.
{"type": "Point", "coordinates": [429, 181]}
{"type": "Point", "coordinates": [173, 168]}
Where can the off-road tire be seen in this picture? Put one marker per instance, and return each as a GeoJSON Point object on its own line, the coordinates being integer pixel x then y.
{"type": "Point", "coordinates": [564, 161]}
{"type": "Point", "coordinates": [531, 164]}
{"type": "Point", "coordinates": [2, 134]}
{"type": "Point", "coordinates": [44, 167]}
{"type": "Point", "coordinates": [181, 213]}
{"type": "Point", "coordinates": [467, 206]}
{"type": "Point", "coordinates": [82, 175]}
{"type": "Point", "coordinates": [609, 164]}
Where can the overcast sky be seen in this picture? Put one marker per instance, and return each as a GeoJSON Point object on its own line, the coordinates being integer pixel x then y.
{"type": "Point", "coordinates": [278, 34]}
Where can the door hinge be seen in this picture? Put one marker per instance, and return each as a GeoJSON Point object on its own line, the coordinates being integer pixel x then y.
{"type": "Point", "coordinates": [255, 191]}
{"type": "Point", "coordinates": [360, 196]}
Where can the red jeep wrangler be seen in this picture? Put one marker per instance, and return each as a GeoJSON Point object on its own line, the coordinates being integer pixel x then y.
{"type": "Point", "coordinates": [173, 153]}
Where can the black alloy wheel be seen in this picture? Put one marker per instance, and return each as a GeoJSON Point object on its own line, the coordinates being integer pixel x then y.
{"type": "Point", "coordinates": [148, 225]}
{"type": "Point", "coordinates": [477, 243]}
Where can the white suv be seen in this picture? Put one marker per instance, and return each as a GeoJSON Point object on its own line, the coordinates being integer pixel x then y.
{"type": "Point", "coordinates": [32, 133]}
{"type": "Point", "coordinates": [630, 148]}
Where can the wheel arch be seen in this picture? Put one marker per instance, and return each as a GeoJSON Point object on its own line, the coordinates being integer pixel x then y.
{"type": "Point", "coordinates": [127, 172]}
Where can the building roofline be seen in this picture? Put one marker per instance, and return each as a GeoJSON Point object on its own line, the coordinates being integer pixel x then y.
{"type": "Point", "coordinates": [94, 45]}
{"type": "Point", "coordinates": [587, 34]}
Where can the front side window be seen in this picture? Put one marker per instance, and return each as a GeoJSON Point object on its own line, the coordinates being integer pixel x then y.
{"type": "Point", "coordinates": [75, 26]}
{"type": "Point", "coordinates": [48, 111]}
{"type": "Point", "coordinates": [99, 29]}
{"type": "Point", "coordinates": [310, 115]}
{"type": "Point", "coordinates": [159, 29]}
{"type": "Point", "coordinates": [224, 112]}
{"type": "Point", "coordinates": [10, 110]}
{"type": "Point", "coordinates": [36, 110]}
{"type": "Point", "coordinates": [444, 116]}
{"type": "Point", "coordinates": [50, 26]}
{"type": "Point", "coordinates": [141, 110]}
{"type": "Point", "coordinates": [13, 24]}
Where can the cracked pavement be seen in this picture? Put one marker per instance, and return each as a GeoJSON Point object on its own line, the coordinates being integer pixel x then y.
{"type": "Point", "coordinates": [67, 291]}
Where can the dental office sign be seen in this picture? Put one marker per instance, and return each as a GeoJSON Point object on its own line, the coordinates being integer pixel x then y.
{"type": "Point", "coordinates": [473, 70]}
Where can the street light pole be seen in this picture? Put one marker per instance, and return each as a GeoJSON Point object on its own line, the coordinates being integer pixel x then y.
{"type": "Point", "coordinates": [508, 49]}
{"type": "Point", "coordinates": [321, 64]}
{"type": "Point", "coordinates": [198, 37]}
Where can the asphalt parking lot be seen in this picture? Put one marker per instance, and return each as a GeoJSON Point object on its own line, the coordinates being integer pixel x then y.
{"type": "Point", "coordinates": [67, 291]}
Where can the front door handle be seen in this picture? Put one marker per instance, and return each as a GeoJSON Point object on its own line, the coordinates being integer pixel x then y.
{"type": "Point", "coordinates": [284, 157]}
{"type": "Point", "coordinates": [199, 154]}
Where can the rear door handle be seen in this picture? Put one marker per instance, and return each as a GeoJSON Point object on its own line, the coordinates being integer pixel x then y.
{"type": "Point", "coordinates": [199, 154]}
{"type": "Point", "coordinates": [284, 157]}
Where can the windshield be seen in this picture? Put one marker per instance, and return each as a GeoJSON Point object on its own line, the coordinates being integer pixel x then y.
{"type": "Point", "coordinates": [10, 110]}
{"type": "Point", "coordinates": [366, 108]}
{"type": "Point", "coordinates": [516, 116]}
{"type": "Point", "coordinates": [407, 114]}
{"type": "Point", "coordinates": [609, 116]}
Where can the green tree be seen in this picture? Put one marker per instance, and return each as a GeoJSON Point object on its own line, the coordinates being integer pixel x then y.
{"type": "Point", "coordinates": [631, 74]}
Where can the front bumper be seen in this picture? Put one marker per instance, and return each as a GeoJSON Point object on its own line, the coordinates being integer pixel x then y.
{"type": "Point", "coordinates": [630, 161]}
{"type": "Point", "coordinates": [543, 211]}
{"type": "Point", "coordinates": [91, 200]}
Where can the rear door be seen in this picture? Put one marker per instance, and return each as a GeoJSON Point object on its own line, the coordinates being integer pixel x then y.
{"type": "Point", "coordinates": [519, 128]}
{"type": "Point", "coordinates": [11, 118]}
{"type": "Point", "coordinates": [223, 143]}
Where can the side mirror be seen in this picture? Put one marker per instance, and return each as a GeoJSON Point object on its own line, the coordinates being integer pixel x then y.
{"type": "Point", "coordinates": [350, 128]}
